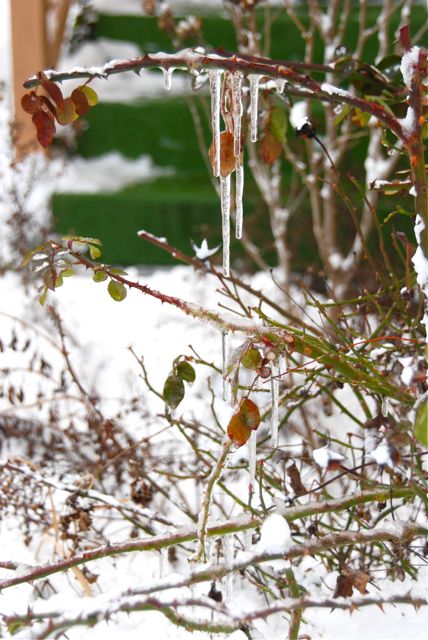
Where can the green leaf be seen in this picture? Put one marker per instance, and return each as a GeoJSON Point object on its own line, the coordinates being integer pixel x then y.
{"type": "Point", "coordinates": [173, 390]}
{"type": "Point", "coordinates": [99, 276]}
{"type": "Point", "coordinates": [59, 282]}
{"type": "Point", "coordinates": [42, 298]}
{"type": "Point", "coordinates": [421, 425]}
{"type": "Point", "coordinates": [278, 124]}
{"type": "Point", "coordinates": [67, 273]}
{"type": "Point", "coordinates": [94, 252]}
{"type": "Point", "coordinates": [251, 359]}
{"type": "Point", "coordinates": [342, 115]}
{"type": "Point", "coordinates": [117, 290]}
{"type": "Point", "coordinates": [118, 272]}
{"type": "Point", "coordinates": [185, 371]}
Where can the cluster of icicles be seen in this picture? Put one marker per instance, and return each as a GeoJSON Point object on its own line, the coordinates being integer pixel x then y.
{"type": "Point", "coordinates": [236, 85]}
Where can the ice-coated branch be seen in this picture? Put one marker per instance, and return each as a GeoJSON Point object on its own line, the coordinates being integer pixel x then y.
{"type": "Point", "coordinates": [206, 501]}
{"type": "Point", "coordinates": [189, 534]}
{"type": "Point", "coordinates": [199, 60]}
{"type": "Point", "coordinates": [230, 619]}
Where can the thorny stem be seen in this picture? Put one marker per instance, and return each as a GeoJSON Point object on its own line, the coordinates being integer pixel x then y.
{"type": "Point", "coordinates": [183, 535]}
{"type": "Point", "coordinates": [232, 621]}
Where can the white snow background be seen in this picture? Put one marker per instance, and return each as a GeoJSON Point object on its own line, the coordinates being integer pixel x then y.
{"type": "Point", "coordinates": [102, 331]}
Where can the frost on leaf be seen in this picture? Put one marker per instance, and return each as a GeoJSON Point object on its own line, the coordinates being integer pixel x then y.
{"type": "Point", "coordinates": [243, 422]}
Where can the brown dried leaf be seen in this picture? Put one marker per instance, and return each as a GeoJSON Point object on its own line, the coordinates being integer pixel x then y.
{"type": "Point", "coordinates": [227, 156]}
{"type": "Point", "coordinates": [295, 481]}
{"type": "Point", "coordinates": [343, 587]}
{"type": "Point", "coordinates": [269, 149]}
{"type": "Point", "coordinates": [359, 579]}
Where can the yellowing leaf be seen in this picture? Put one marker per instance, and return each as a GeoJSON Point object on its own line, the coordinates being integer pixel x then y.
{"type": "Point", "coordinates": [91, 95]}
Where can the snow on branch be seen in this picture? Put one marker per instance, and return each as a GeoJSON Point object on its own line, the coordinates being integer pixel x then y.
{"type": "Point", "coordinates": [402, 532]}
{"type": "Point", "coordinates": [198, 60]}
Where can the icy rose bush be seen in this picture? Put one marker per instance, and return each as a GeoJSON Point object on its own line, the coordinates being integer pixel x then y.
{"type": "Point", "coordinates": [264, 507]}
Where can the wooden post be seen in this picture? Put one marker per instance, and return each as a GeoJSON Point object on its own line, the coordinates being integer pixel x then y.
{"type": "Point", "coordinates": [32, 51]}
{"type": "Point", "coordinates": [29, 55]}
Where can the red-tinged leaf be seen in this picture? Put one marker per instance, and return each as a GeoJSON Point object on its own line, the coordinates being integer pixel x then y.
{"type": "Point", "coordinates": [52, 90]}
{"type": "Point", "coordinates": [68, 114]}
{"type": "Point", "coordinates": [81, 101]}
{"type": "Point", "coordinates": [31, 102]}
{"type": "Point", "coordinates": [270, 149]}
{"type": "Point", "coordinates": [295, 480]}
{"type": "Point", "coordinates": [90, 94]}
{"type": "Point", "coordinates": [359, 579]}
{"type": "Point", "coordinates": [50, 278]}
{"type": "Point", "coordinates": [45, 128]}
{"type": "Point", "coordinates": [237, 430]}
{"type": "Point", "coordinates": [245, 420]}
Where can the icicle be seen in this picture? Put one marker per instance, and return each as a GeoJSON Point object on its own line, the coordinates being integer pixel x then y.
{"type": "Point", "coordinates": [167, 76]}
{"type": "Point", "coordinates": [248, 539]}
{"type": "Point", "coordinates": [215, 88]}
{"type": "Point", "coordinates": [239, 192]}
{"type": "Point", "coordinates": [228, 559]}
{"type": "Point", "coordinates": [274, 421]}
{"type": "Point", "coordinates": [163, 563]}
{"type": "Point", "coordinates": [225, 349]}
{"type": "Point", "coordinates": [252, 456]}
{"type": "Point", "coordinates": [280, 84]}
{"type": "Point", "coordinates": [254, 102]}
{"type": "Point", "coordinates": [237, 111]}
{"type": "Point", "coordinates": [225, 219]}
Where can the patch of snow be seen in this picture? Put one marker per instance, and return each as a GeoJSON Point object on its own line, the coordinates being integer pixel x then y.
{"type": "Point", "coordinates": [324, 456]}
{"type": "Point", "coordinates": [107, 173]}
{"type": "Point", "coordinates": [382, 455]}
{"type": "Point", "coordinates": [299, 114]}
{"type": "Point", "coordinates": [334, 91]}
{"type": "Point", "coordinates": [203, 252]}
{"type": "Point", "coordinates": [275, 535]}
{"type": "Point", "coordinates": [409, 61]}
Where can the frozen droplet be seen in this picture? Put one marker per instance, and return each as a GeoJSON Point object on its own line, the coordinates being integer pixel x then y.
{"type": "Point", "coordinates": [237, 111]}
{"type": "Point", "coordinates": [225, 351]}
{"type": "Point", "coordinates": [163, 563]}
{"type": "Point", "coordinates": [215, 88]}
{"type": "Point", "coordinates": [254, 103]}
{"type": "Point", "coordinates": [239, 192]}
{"type": "Point", "coordinates": [248, 539]}
{"type": "Point", "coordinates": [167, 76]}
{"type": "Point", "coordinates": [274, 421]}
{"type": "Point", "coordinates": [228, 559]}
{"type": "Point", "coordinates": [225, 222]}
{"type": "Point", "coordinates": [280, 84]}
{"type": "Point", "coordinates": [252, 457]}
{"type": "Point", "coordinates": [391, 152]}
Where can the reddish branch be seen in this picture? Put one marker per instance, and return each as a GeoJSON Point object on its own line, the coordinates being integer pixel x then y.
{"type": "Point", "coordinates": [197, 60]}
